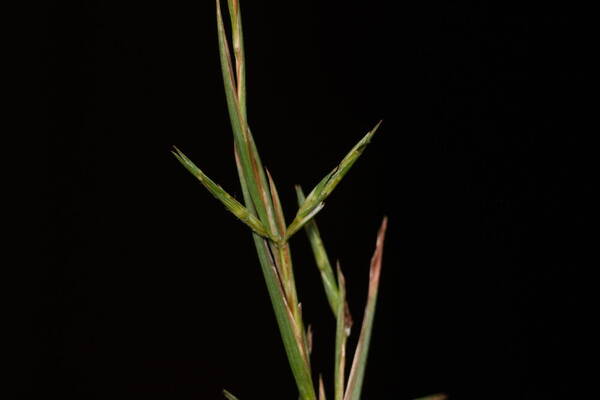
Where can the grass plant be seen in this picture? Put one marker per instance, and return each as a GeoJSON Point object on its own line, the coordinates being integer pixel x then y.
{"type": "Point", "coordinates": [262, 212]}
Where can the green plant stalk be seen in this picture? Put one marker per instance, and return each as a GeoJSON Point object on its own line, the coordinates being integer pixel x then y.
{"type": "Point", "coordinates": [321, 258]}
{"type": "Point", "coordinates": [277, 270]}
{"type": "Point", "coordinates": [285, 321]}
{"type": "Point", "coordinates": [252, 168]}
{"type": "Point", "coordinates": [342, 332]}
{"type": "Point", "coordinates": [238, 49]}
{"type": "Point", "coordinates": [248, 160]}
{"type": "Point", "coordinates": [263, 213]}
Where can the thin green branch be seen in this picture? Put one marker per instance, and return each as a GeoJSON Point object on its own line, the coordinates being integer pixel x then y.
{"type": "Point", "coordinates": [288, 327]}
{"type": "Point", "coordinates": [343, 325]}
{"type": "Point", "coordinates": [238, 51]}
{"type": "Point", "coordinates": [238, 124]}
{"type": "Point", "coordinates": [321, 258]}
{"type": "Point", "coordinates": [253, 176]}
{"type": "Point", "coordinates": [263, 213]}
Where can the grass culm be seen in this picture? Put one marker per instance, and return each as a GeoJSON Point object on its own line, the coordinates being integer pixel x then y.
{"type": "Point", "coordinates": [262, 212]}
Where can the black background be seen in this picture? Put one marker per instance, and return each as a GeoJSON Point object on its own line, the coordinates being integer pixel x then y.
{"type": "Point", "coordinates": [153, 291]}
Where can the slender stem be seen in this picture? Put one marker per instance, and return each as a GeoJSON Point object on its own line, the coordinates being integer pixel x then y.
{"type": "Point", "coordinates": [342, 331]}
{"type": "Point", "coordinates": [321, 258]}
{"type": "Point", "coordinates": [287, 324]}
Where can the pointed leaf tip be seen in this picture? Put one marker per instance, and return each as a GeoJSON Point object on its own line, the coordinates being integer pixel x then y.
{"type": "Point", "coordinates": [321, 389]}
{"type": "Point", "coordinates": [235, 207]}
{"type": "Point", "coordinates": [375, 271]}
{"type": "Point", "coordinates": [357, 372]}
{"type": "Point", "coordinates": [325, 187]}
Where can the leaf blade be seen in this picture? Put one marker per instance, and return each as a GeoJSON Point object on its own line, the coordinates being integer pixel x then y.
{"type": "Point", "coordinates": [359, 362]}
{"type": "Point", "coordinates": [238, 51]}
{"type": "Point", "coordinates": [247, 153]}
{"type": "Point", "coordinates": [321, 258]}
{"type": "Point", "coordinates": [235, 207]}
{"type": "Point", "coordinates": [343, 325]}
{"type": "Point", "coordinates": [325, 187]}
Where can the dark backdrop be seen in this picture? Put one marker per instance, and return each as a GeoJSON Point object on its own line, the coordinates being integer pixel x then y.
{"type": "Point", "coordinates": [150, 290]}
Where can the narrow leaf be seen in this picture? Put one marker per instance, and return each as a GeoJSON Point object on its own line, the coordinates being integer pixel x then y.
{"type": "Point", "coordinates": [247, 155]}
{"type": "Point", "coordinates": [321, 258]}
{"type": "Point", "coordinates": [342, 332]}
{"type": "Point", "coordinates": [229, 395]}
{"type": "Point", "coordinates": [324, 188]}
{"type": "Point", "coordinates": [359, 362]}
{"type": "Point", "coordinates": [235, 207]}
{"type": "Point", "coordinates": [235, 92]}
{"type": "Point", "coordinates": [235, 88]}
{"type": "Point", "coordinates": [238, 51]}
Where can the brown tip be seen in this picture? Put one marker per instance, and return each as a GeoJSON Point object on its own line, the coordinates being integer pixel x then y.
{"type": "Point", "coordinates": [377, 257]}
{"type": "Point", "coordinates": [321, 388]}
